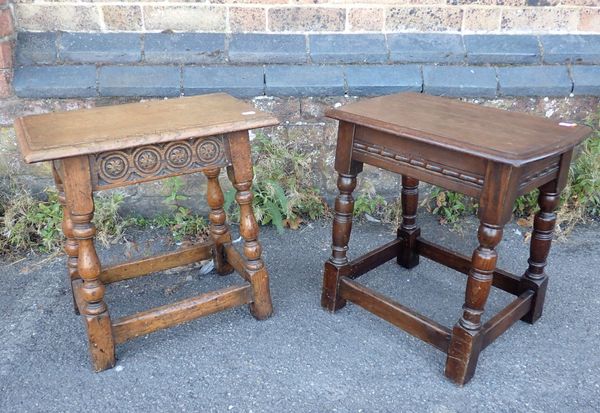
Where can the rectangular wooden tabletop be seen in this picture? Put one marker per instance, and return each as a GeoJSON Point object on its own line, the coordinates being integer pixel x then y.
{"type": "Point", "coordinates": [500, 135]}
{"type": "Point", "coordinates": [65, 134]}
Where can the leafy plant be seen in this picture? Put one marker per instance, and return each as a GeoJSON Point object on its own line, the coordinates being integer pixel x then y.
{"type": "Point", "coordinates": [27, 223]}
{"type": "Point", "coordinates": [450, 206]}
{"type": "Point", "coordinates": [182, 222]}
{"type": "Point", "coordinates": [373, 205]}
{"type": "Point", "coordinates": [283, 189]}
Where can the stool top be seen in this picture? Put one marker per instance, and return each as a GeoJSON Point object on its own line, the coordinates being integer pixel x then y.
{"type": "Point", "coordinates": [80, 132]}
{"type": "Point", "coordinates": [496, 134]}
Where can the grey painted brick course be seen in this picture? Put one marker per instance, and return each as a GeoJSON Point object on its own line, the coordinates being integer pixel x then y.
{"type": "Point", "coordinates": [55, 81]}
{"type": "Point", "coordinates": [239, 81]}
{"type": "Point", "coordinates": [348, 48]}
{"type": "Point", "coordinates": [35, 48]}
{"type": "Point", "coordinates": [534, 81]}
{"type": "Point", "coordinates": [426, 48]}
{"type": "Point", "coordinates": [267, 48]}
{"type": "Point", "coordinates": [502, 49]}
{"type": "Point", "coordinates": [100, 47]}
{"type": "Point", "coordinates": [471, 81]}
{"type": "Point", "coordinates": [586, 80]}
{"type": "Point", "coordinates": [372, 80]}
{"type": "Point", "coordinates": [304, 80]}
{"type": "Point", "coordinates": [571, 48]}
{"type": "Point", "coordinates": [139, 81]}
{"type": "Point", "coordinates": [184, 48]}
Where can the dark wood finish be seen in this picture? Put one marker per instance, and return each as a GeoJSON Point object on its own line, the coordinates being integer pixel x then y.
{"type": "Point", "coordinates": [461, 263]}
{"type": "Point", "coordinates": [488, 133]}
{"type": "Point", "coordinates": [408, 231]}
{"type": "Point", "coordinates": [183, 311]}
{"type": "Point", "coordinates": [413, 323]}
{"type": "Point", "coordinates": [490, 154]}
{"type": "Point", "coordinates": [499, 323]}
{"type": "Point", "coordinates": [108, 147]}
{"type": "Point", "coordinates": [157, 263]}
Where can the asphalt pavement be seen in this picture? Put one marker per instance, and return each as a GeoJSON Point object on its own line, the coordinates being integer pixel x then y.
{"type": "Point", "coordinates": [304, 359]}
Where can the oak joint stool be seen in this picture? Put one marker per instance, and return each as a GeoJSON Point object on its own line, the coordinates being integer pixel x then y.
{"type": "Point", "coordinates": [490, 154]}
{"type": "Point", "coordinates": [108, 147]}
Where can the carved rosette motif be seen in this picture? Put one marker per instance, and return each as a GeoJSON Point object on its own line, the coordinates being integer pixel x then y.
{"type": "Point", "coordinates": [149, 162]}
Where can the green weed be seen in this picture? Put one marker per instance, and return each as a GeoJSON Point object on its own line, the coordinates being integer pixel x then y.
{"type": "Point", "coordinates": [284, 194]}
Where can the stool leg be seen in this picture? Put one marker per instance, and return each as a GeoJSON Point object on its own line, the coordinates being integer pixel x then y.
{"type": "Point", "coordinates": [342, 227]}
{"type": "Point", "coordinates": [71, 247]}
{"type": "Point", "coordinates": [535, 277]}
{"type": "Point", "coordinates": [241, 175]}
{"type": "Point", "coordinates": [408, 231]}
{"type": "Point", "coordinates": [466, 340]}
{"type": "Point", "coordinates": [218, 228]}
{"type": "Point", "coordinates": [80, 202]}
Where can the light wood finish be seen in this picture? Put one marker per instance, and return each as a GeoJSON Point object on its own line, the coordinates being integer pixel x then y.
{"type": "Point", "coordinates": [183, 311]}
{"type": "Point", "coordinates": [467, 128]}
{"type": "Point", "coordinates": [490, 154]}
{"type": "Point", "coordinates": [86, 131]}
{"type": "Point", "coordinates": [151, 265]}
{"type": "Point", "coordinates": [109, 147]}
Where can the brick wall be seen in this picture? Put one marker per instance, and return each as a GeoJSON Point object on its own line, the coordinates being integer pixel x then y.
{"type": "Point", "coordinates": [309, 16]}
{"type": "Point", "coordinates": [7, 41]}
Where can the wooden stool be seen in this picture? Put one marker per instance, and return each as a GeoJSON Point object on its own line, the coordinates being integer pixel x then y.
{"type": "Point", "coordinates": [490, 154]}
{"type": "Point", "coordinates": [115, 146]}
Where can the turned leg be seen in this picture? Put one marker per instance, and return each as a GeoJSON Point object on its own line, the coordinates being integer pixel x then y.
{"type": "Point", "coordinates": [466, 342]}
{"type": "Point", "coordinates": [241, 175]}
{"type": "Point", "coordinates": [79, 198]}
{"type": "Point", "coordinates": [71, 247]}
{"type": "Point", "coordinates": [535, 277]}
{"type": "Point", "coordinates": [408, 231]}
{"type": "Point", "coordinates": [218, 228]}
{"type": "Point", "coordinates": [342, 226]}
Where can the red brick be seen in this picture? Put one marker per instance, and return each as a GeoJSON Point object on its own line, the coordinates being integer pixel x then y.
{"type": "Point", "coordinates": [5, 88]}
{"type": "Point", "coordinates": [6, 55]}
{"type": "Point", "coordinates": [6, 23]}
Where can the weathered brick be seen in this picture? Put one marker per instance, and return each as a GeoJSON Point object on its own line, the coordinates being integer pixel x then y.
{"type": "Point", "coordinates": [502, 49]}
{"type": "Point", "coordinates": [304, 80]}
{"type": "Point", "coordinates": [189, 17]}
{"type": "Point", "coordinates": [586, 80]}
{"type": "Point", "coordinates": [311, 19]}
{"type": "Point", "coordinates": [6, 23]}
{"type": "Point", "coordinates": [571, 48]}
{"type": "Point", "coordinates": [370, 80]}
{"type": "Point", "coordinates": [537, 19]}
{"type": "Point", "coordinates": [589, 20]}
{"type": "Point", "coordinates": [53, 17]}
{"type": "Point", "coordinates": [100, 47]}
{"type": "Point", "coordinates": [347, 48]}
{"type": "Point", "coordinates": [36, 48]}
{"type": "Point", "coordinates": [534, 81]}
{"type": "Point", "coordinates": [121, 17]}
{"type": "Point", "coordinates": [366, 19]}
{"type": "Point", "coordinates": [426, 19]}
{"type": "Point", "coordinates": [468, 81]}
{"type": "Point", "coordinates": [426, 47]}
{"type": "Point", "coordinates": [5, 83]}
{"type": "Point", "coordinates": [481, 19]}
{"type": "Point", "coordinates": [240, 81]}
{"type": "Point", "coordinates": [184, 47]}
{"type": "Point", "coordinates": [139, 81]}
{"type": "Point", "coordinates": [6, 52]}
{"type": "Point", "coordinates": [247, 19]}
{"type": "Point", "coordinates": [55, 81]}
{"type": "Point", "coordinates": [267, 48]}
